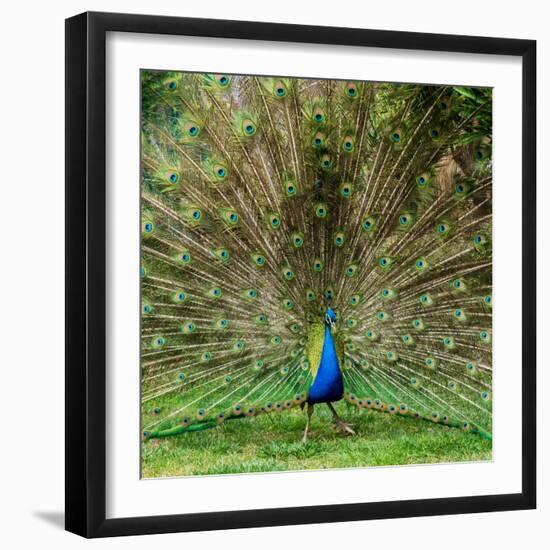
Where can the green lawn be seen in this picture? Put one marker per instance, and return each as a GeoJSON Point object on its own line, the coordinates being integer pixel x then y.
{"type": "Point", "coordinates": [273, 443]}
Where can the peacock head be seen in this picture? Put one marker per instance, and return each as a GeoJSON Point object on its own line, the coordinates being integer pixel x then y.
{"type": "Point", "coordinates": [330, 317]}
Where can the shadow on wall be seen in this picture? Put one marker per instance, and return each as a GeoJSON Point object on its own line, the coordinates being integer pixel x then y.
{"type": "Point", "coordinates": [55, 518]}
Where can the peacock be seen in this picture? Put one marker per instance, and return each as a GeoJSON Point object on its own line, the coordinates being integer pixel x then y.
{"type": "Point", "coordinates": [307, 241]}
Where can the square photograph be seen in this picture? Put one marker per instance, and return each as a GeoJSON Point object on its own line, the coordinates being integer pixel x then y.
{"type": "Point", "coordinates": [316, 274]}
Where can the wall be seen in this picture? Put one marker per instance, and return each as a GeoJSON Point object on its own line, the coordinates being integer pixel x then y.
{"type": "Point", "coordinates": [31, 175]}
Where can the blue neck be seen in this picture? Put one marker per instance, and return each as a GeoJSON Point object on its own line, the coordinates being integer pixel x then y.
{"type": "Point", "coordinates": [328, 384]}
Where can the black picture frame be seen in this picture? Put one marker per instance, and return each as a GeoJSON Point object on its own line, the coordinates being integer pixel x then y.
{"type": "Point", "coordinates": [86, 283]}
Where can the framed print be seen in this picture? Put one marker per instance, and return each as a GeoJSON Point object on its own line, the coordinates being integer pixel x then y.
{"type": "Point", "coordinates": [284, 247]}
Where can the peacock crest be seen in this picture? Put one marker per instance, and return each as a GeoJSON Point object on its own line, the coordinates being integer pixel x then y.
{"type": "Point", "coordinates": [299, 234]}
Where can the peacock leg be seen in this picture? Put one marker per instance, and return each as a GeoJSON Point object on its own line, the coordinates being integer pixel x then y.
{"type": "Point", "coordinates": [339, 424]}
{"type": "Point", "coordinates": [309, 413]}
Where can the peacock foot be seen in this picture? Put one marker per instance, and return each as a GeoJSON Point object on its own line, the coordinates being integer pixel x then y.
{"type": "Point", "coordinates": [343, 427]}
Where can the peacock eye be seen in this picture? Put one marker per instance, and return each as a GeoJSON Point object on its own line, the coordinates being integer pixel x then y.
{"type": "Point", "coordinates": [348, 144]}
{"type": "Point", "coordinates": [406, 219]}
{"type": "Point", "coordinates": [249, 127]}
{"type": "Point", "coordinates": [326, 162]}
{"type": "Point", "coordinates": [421, 264]}
{"type": "Point", "coordinates": [351, 90]}
{"type": "Point", "coordinates": [148, 227]}
{"type": "Point", "coordinates": [173, 177]}
{"type": "Point", "coordinates": [185, 258]}
{"type": "Point", "coordinates": [280, 89]}
{"type": "Point", "coordinates": [368, 224]}
{"type": "Point", "coordinates": [222, 253]}
{"type": "Point", "coordinates": [345, 190]}
{"type": "Point", "coordinates": [193, 130]}
{"type": "Point", "coordinates": [319, 115]}
{"type": "Point", "coordinates": [258, 259]}
{"type": "Point", "coordinates": [221, 172]}
{"type": "Point", "coordinates": [172, 85]}
{"type": "Point", "coordinates": [288, 274]}
{"type": "Point", "coordinates": [350, 270]}
{"type": "Point", "coordinates": [321, 211]}
{"type": "Point", "coordinates": [274, 220]}
{"type": "Point", "coordinates": [434, 133]}
{"type": "Point", "coordinates": [396, 136]}
{"type": "Point", "coordinates": [197, 214]}
{"type": "Point", "coordinates": [223, 80]}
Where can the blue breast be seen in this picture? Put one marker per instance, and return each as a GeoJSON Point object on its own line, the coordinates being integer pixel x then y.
{"type": "Point", "coordinates": [328, 384]}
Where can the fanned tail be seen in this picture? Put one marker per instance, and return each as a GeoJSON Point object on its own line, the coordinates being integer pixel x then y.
{"type": "Point", "coordinates": [264, 199]}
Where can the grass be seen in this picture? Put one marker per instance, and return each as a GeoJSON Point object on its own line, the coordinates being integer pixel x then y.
{"type": "Point", "coordinates": [273, 443]}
